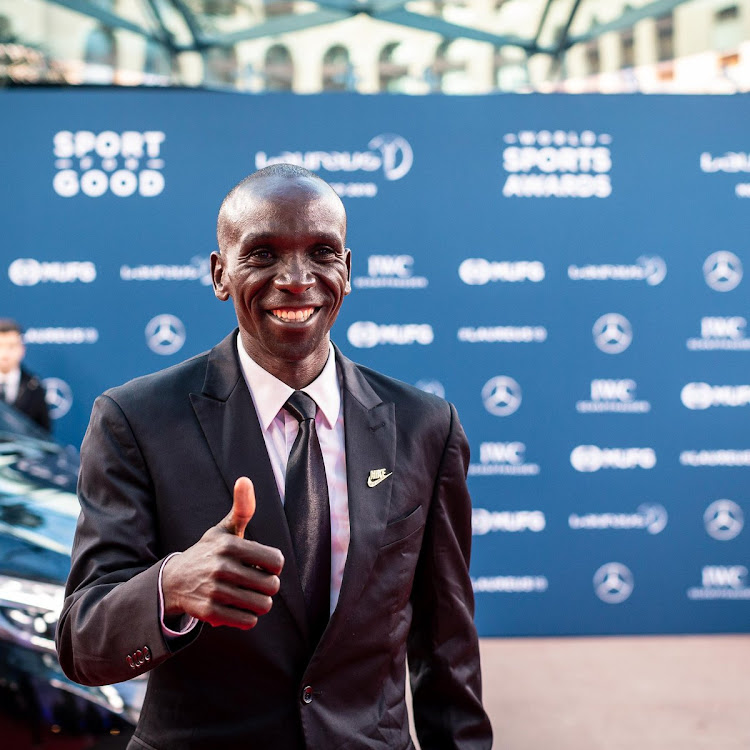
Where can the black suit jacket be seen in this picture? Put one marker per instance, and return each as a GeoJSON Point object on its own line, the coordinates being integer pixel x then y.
{"type": "Point", "coordinates": [30, 399]}
{"type": "Point", "coordinates": [159, 462]}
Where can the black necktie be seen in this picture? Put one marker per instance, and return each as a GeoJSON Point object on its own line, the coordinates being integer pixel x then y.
{"type": "Point", "coordinates": [2, 391]}
{"type": "Point", "coordinates": [307, 511]}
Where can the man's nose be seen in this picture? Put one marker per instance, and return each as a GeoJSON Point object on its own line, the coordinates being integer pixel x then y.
{"type": "Point", "coordinates": [295, 276]}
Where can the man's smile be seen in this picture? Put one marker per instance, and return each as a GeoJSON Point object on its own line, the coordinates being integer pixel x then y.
{"type": "Point", "coordinates": [294, 314]}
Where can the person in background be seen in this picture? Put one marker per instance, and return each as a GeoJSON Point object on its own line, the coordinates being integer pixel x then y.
{"type": "Point", "coordinates": [18, 387]}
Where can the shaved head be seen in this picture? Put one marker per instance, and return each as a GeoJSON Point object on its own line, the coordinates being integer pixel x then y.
{"type": "Point", "coordinates": [284, 263]}
{"type": "Point", "coordinates": [262, 185]}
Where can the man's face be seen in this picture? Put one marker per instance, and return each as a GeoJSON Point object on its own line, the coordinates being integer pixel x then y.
{"type": "Point", "coordinates": [287, 273]}
{"type": "Point", "coordinates": [11, 351]}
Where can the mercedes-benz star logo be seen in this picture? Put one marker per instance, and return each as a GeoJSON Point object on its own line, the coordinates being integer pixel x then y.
{"type": "Point", "coordinates": [613, 583]}
{"type": "Point", "coordinates": [431, 386]}
{"type": "Point", "coordinates": [59, 397]}
{"type": "Point", "coordinates": [724, 520]}
{"type": "Point", "coordinates": [722, 271]}
{"type": "Point", "coordinates": [612, 333]}
{"type": "Point", "coordinates": [501, 396]}
{"type": "Point", "coordinates": [165, 334]}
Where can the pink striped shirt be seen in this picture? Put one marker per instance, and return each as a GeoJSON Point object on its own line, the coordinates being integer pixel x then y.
{"type": "Point", "coordinates": [280, 429]}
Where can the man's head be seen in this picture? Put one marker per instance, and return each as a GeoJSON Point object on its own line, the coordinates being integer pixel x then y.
{"type": "Point", "coordinates": [282, 260]}
{"type": "Point", "coordinates": [12, 350]}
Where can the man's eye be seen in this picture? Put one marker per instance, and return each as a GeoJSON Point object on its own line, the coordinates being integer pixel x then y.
{"type": "Point", "coordinates": [260, 254]}
{"type": "Point", "coordinates": [323, 251]}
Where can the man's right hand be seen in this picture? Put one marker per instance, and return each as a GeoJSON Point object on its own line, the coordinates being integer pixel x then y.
{"type": "Point", "coordinates": [224, 579]}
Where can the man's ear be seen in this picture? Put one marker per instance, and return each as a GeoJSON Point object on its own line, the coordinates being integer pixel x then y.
{"type": "Point", "coordinates": [348, 261]}
{"type": "Point", "coordinates": [217, 276]}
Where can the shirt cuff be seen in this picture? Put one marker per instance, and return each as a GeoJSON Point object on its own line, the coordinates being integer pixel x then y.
{"type": "Point", "coordinates": [186, 622]}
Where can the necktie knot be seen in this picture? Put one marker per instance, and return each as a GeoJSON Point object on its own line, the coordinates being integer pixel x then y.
{"type": "Point", "coordinates": [301, 406]}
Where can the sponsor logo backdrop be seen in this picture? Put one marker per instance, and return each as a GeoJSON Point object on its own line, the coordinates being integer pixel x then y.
{"type": "Point", "coordinates": [568, 271]}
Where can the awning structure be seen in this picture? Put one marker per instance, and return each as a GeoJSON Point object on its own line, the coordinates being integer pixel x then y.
{"type": "Point", "coordinates": [202, 25]}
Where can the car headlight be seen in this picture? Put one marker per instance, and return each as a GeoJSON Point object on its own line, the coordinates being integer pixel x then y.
{"type": "Point", "coordinates": [29, 611]}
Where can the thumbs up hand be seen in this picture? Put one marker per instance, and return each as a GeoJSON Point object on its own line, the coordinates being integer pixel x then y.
{"type": "Point", "coordinates": [243, 507]}
{"type": "Point", "coordinates": [225, 579]}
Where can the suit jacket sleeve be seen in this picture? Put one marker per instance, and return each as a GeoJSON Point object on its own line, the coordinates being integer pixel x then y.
{"type": "Point", "coordinates": [443, 648]}
{"type": "Point", "coordinates": [111, 610]}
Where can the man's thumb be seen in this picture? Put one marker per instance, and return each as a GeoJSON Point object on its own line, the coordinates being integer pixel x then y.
{"type": "Point", "coordinates": [243, 507]}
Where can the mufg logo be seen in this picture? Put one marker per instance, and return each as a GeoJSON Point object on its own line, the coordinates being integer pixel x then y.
{"type": "Point", "coordinates": [364, 334]}
{"type": "Point", "coordinates": [590, 458]}
{"type": "Point", "coordinates": [30, 272]}
{"type": "Point", "coordinates": [122, 164]}
{"type": "Point", "coordinates": [387, 154]}
{"type": "Point", "coordinates": [702, 395]}
{"type": "Point", "coordinates": [479, 271]}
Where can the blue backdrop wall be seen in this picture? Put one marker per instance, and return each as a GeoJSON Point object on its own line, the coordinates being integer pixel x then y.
{"type": "Point", "coordinates": [567, 270]}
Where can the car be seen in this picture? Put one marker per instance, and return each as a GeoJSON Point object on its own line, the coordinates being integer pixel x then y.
{"type": "Point", "coordinates": [38, 513]}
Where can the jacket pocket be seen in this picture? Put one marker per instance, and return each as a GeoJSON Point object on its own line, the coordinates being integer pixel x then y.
{"type": "Point", "coordinates": [403, 527]}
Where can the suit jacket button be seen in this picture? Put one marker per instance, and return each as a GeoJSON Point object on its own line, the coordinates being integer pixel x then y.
{"type": "Point", "coordinates": [130, 661]}
{"type": "Point", "coordinates": [307, 694]}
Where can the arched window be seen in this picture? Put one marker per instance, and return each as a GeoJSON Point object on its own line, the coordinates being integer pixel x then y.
{"type": "Point", "coordinates": [511, 73]}
{"type": "Point", "coordinates": [100, 55]}
{"type": "Point", "coordinates": [101, 48]}
{"type": "Point", "coordinates": [279, 69]}
{"type": "Point", "coordinates": [220, 66]}
{"type": "Point", "coordinates": [338, 74]}
{"type": "Point", "coordinates": [446, 72]}
{"type": "Point", "coordinates": [391, 71]}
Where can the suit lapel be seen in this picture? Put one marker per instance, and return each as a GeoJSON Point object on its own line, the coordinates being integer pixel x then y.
{"type": "Point", "coordinates": [22, 388]}
{"type": "Point", "coordinates": [230, 425]}
{"type": "Point", "coordinates": [370, 436]}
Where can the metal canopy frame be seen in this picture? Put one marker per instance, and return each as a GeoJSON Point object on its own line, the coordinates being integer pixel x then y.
{"type": "Point", "coordinates": [391, 11]}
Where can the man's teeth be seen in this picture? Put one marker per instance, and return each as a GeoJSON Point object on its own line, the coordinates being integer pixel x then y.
{"type": "Point", "coordinates": [296, 315]}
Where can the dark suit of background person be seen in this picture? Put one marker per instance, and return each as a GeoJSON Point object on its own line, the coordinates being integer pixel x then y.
{"type": "Point", "coordinates": [31, 400]}
{"type": "Point", "coordinates": [159, 463]}
{"type": "Point", "coordinates": [29, 396]}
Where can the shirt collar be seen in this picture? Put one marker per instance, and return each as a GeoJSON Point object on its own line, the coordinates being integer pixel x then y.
{"type": "Point", "coordinates": [11, 378]}
{"type": "Point", "coordinates": [270, 394]}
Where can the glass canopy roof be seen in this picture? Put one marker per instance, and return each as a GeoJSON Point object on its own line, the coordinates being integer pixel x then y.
{"type": "Point", "coordinates": [536, 26]}
{"type": "Point", "coordinates": [408, 46]}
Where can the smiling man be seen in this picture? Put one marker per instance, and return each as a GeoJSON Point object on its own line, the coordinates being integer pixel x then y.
{"type": "Point", "coordinates": [272, 529]}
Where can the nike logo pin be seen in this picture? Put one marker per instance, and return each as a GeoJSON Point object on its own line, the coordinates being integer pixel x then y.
{"type": "Point", "coordinates": [376, 477]}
